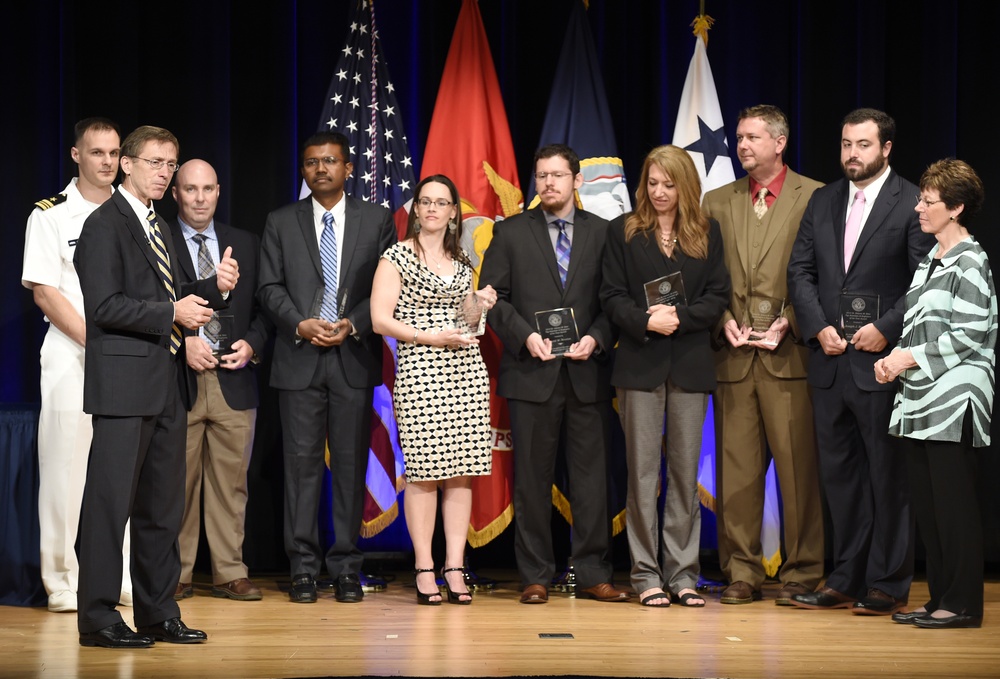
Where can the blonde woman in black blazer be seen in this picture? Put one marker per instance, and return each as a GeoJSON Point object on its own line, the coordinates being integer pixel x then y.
{"type": "Point", "coordinates": [664, 366]}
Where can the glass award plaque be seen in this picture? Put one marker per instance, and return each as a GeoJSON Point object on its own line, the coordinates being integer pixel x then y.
{"type": "Point", "coordinates": [316, 309]}
{"type": "Point", "coordinates": [220, 330]}
{"type": "Point", "coordinates": [321, 296]}
{"type": "Point", "coordinates": [465, 327]}
{"type": "Point", "coordinates": [856, 311]}
{"type": "Point", "coordinates": [761, 312]}
{"type": "Point", "coordinates": [559, 327]}
{"type": "Point", "coordinates": [667, 290]}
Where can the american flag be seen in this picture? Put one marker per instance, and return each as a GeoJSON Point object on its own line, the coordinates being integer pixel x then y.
{"type": "Point", "coordinates": [361, 103]}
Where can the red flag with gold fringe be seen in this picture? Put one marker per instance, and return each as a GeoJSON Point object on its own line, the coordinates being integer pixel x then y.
{"type": "Point", "coordinates": [469, 141]}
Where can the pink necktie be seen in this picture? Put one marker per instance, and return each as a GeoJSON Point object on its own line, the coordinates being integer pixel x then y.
{"type": "Point", "coordinates": [853, 227]}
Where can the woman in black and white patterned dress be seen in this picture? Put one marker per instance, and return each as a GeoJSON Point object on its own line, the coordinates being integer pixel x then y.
{"type": "Point", "coordinates": [423, 296]}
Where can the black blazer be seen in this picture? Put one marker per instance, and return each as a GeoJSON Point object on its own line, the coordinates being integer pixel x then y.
{"type": "Point", "coordinates": [645, 359]}
{"type": "Point", "coordinates": [239, 387]}
{"type": "Point", "coordinates": [520, 264]}
{"type": "Point", "coordinates": [889, 249]}
{"type": "Point", "coordinates": [129, 313]}
{"type": "Point", "coordinates": [291, 272]}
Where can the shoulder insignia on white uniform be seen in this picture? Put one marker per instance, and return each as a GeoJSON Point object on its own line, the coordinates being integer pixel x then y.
{"type": "Point", "coordinates": [46, 203]}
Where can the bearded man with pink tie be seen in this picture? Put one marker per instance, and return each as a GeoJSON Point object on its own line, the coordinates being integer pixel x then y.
{"type": "Point", "coordinates": [858, 245]}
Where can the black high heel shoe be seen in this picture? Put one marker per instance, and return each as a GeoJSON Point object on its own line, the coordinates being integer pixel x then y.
{"type": "Point", "coordinates": [453, 596]}
{"type": "Point", "coordinates": [425, 599]}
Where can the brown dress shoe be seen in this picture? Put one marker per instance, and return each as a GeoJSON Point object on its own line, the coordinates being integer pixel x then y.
{"type": "Point", "coordinates": [877, 602]}
{"type": "Point", "coordinates": [822, 599]}
{"type": "Point", "coordinates": [787, 591]}
{"type": "Point", "coordinates": [535, 594]}
{"type": "Point", "coordinates": [740, 592]}
{"type": "Point", "coordinates": [605, 591]}
{"type": "Point", "coordinates": [184, 591]}
{"type": "Point", "coordinates": [240, 589]}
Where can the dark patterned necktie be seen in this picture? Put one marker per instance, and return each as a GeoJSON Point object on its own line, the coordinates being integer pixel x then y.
{"type": "Point", "coordinates": [206, 269]}
{"type": "Point", "coordinates": [562, 251]}
{"type": "Point", "coordinates": [163, 267]}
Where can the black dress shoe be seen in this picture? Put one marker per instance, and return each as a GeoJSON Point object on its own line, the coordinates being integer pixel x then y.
{"type": "Point", "coordinates": [823, 598]}
{"type": "Point", "coordinates": [118, 635]}
{"type": "Point", "coordinates": [956, 621]}
{"type": "Point", "coordinates": [908, 618]}
{"type": "Point", "coordinates": [174, 631]}
{"type": "Point", "coordinates": [877, 602]}
{"type": "Point", "coordinates": [349, 589]}
{"type": "Point", "coordinates": [303, 589]}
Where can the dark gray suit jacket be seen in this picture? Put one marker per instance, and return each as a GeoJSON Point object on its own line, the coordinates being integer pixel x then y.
{"type": "Point", "coordinates": [129, 313]}
{"type": "Point", "coordinates": [520, 264]}
{"type": "Point", "coordinates": [889, 249]}
{"type": "Point", "coordinates": [291, 273]}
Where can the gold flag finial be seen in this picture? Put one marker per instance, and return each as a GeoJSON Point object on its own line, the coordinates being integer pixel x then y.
{"type": "Point", "coordinates": [702, 23]}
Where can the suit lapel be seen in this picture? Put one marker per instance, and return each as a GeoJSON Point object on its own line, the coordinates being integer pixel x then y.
{"type": "Point", "coordinates": [136, 229]}
{"type": "Point", "coordinates": [304, 213]}
{"type": "Point", "coordinates": [540, 231]}
{"type": "Point", "coordinates": [655, 259]}
{"type": "Point", "coordinates": [884, 204]}
{"type": "Point", "coordinates": [738, 204]}
{"type": "Point", "coordinates": [778, 215]}
{"type": "Point", "coordinates": [581, 241]}
{"type": "Point", "coordinates": [184, 256]}
{"type": "Point", "coordinates": [352, 231]}
{"type": "Point", "coordinates": [839, 219]}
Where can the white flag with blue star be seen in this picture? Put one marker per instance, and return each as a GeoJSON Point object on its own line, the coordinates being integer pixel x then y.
{"type": "Point", "coordinates": [699, 129]}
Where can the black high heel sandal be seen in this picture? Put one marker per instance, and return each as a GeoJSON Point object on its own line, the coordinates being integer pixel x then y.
{"type": "Point", "coordinates": [425, 599]}
{"type": "Point", "coordinates": [453, 596]}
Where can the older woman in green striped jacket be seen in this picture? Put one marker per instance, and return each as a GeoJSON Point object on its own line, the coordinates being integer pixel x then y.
{"type": "Point", "coordinates": [945, 365]}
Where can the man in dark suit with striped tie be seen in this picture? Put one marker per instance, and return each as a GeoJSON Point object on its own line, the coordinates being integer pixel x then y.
{"type": "Point", "coordinates": [133, 376]}
{"type": "Point", "coordinates": [317, 262]}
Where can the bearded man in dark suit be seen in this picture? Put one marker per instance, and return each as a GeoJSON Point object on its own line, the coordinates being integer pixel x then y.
{"type": "Point", "coordinates": [858, 244]}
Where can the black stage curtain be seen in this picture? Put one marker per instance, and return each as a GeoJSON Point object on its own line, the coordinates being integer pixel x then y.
{"type": "Point", "coordinates": [242, 85]}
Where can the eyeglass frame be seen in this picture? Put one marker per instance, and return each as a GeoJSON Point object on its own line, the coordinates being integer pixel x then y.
{"type": "Point", "coordinates": [927, 203]}
{"type": "Point", "coordinates": [542, 176]}
{"type": "Point", "coordinates": [157, 163]}
{"type": "Point", "coordinates": [328, 161]}
{"type": "Point", "coordinates": [440, 204]}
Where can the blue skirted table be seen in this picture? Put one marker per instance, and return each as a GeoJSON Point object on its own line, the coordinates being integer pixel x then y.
{"type": "Point", "coordinates": [20, 578]}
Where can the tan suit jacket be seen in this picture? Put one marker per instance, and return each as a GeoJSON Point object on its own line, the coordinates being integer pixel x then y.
{"type": "Point", "coordinates": [757, 259]}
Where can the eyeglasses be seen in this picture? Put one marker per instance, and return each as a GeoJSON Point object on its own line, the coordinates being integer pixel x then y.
{"type": "Point", "coordinates": [156, 164]}
{"type": "Point", "coordinates": [439, 204]}
{"type": "Point", "coordinates": [329, 161]}
{"type": "Point", "coordinates": [542, 176]}
{"type": "Point", "coordinates": [928, 203]}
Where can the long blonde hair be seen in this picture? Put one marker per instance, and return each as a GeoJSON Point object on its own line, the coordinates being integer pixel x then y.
{"type": "Point", "coordinates": [691, 225]}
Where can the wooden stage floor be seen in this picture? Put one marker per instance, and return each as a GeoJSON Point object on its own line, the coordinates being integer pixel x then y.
{"type": "Point", "coordinates": [389, 635]}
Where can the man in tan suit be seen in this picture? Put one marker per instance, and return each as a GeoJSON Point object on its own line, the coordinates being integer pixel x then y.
{"type": "Point", "coordinates": [762, 400]}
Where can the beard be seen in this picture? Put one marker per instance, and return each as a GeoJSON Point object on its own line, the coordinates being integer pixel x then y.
{"type": "Point", "coordinates": [860, 174]}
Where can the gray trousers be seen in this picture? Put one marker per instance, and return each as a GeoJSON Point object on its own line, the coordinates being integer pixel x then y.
{"type": "Point", "coordinates": [678, 539]}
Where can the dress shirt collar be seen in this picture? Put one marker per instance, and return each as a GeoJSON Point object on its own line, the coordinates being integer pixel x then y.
{"type": "Point", "coordinates": [189, 231]}
{"type": "Point", "coordinates": [141, 210]}
{"type": "Point", "coordinates": [773, 189]}
{"type": "Point", "coordinates": [871, 191]}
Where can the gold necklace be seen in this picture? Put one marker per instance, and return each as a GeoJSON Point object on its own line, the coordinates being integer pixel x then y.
{"type": "Point", "coordinates": [436, 260]}
{"type": "Point", "coordinates": [667, 241]}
